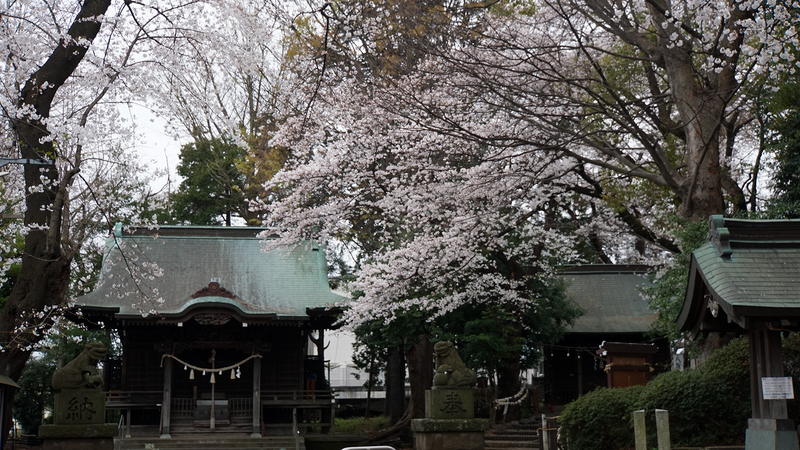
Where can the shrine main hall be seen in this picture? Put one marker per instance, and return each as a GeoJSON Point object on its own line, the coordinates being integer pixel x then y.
{"type": "Point", "coordinates": [219, 333]}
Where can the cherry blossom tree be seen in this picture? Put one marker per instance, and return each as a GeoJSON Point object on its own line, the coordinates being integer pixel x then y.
{"type": "Point", "coordinates": [532, 134]}
{"type": "Point", "coordinates": [67, 68]}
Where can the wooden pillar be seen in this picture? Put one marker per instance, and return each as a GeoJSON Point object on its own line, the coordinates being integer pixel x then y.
{"type": "Point", "coordinates": [256, 398]}
{"type": "Point", "coordinates": [167, 400]}
{"type": "Point", "coordinates": [769, 428]}
{"type": "Point", "coordinates": [321, 345]}
{"type": "Point", "coordinates": [755, 383]}
{"type": "Point", "coordinates": [766, 360]}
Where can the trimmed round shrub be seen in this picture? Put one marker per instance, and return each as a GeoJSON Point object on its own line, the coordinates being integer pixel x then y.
{"type": "Point", "coordinates": [702, 412]}
{"type": "Point", "coordinates": [600, 420]}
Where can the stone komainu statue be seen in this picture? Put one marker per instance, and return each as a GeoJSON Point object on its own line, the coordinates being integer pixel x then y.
{"type": "Point", "coordinates": [450, 370]}
{"type": "Point", "coordinates": [81, 372]}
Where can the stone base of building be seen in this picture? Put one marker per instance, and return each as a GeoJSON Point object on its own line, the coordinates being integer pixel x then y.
{"type": "Point", "coordinates": [79, 444]}
{"type": "Point", "coordinates": [770, 434]}
{"type": "Point", "coordinates": [449, 434]}
{"type": "Point", "coordinates": [98, 436]}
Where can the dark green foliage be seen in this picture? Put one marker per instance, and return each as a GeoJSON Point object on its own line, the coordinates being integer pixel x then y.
{"type": "Point", "coordinates": [730, 365]}
{"type": "Point", "coordinates": [34, 395]}
{"type": "Point", "coordinates": [601, 419]}
{"type": "Point", "coordinates": [707, 406]}
{"type": "Point", "coordinates": [548, 321]}
{"type": "Point", "coordinates": [213, 185]}
{"type": "Point", "coordinates": [702, 411]}
{"type": "Point", "coordinates": [370, 351]}
{"type": "Point", "coordinates": [5, 288]}
{"type": "Point", "coordinates": [721, 385]}
{"type": "Point", "coordinates": [785, 125]}
{"type": "Point", "coordinates": [668, 291]}
{"type": "Point", "coordinates": [791, 362]}
{"type": "Point", "coordinates": [374, 339]}
{"type": "Point", "coordinates": [490, 340]}
{"type": "Point", "coordinates": [70, 340]}
{"type": "Point", "coordinates": [791, 355]}
{"type": "Point", "coordinates": [489, 336]}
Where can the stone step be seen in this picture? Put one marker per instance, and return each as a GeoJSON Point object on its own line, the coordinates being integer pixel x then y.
{"type": "Point", "coordinates": [513, 433]}
{"type": "Point", "coordinates": [191, 429]}
{"type": "Point", "coordinates": [209, 443]}
{"type": "Point", "coordinates": [512, 438]}
{"type": "Point", "coordinates": [284, 446]}
{"type": "Point", "coordinates": [509, 445]}
{"type": "Point", "coordinates": [517, 426]}
{"type": "Point", "coordinates": [510, 448]}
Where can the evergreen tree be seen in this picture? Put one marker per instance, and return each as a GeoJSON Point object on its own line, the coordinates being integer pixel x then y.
{"type": "Point", "coordinates": [212, 190]}
{"type": "Point", "coordinates": [785, 127]}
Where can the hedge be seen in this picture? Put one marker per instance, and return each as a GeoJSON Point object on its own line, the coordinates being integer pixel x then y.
{"type": "Point", "coordinates": [707, 406]}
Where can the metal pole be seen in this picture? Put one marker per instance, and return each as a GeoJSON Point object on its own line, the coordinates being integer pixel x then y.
{"type": "Point", "coordinates": [545, 436]}
{"type": "Point", "coordinates": [34, 162]}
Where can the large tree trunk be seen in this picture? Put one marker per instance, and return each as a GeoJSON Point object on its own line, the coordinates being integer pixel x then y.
{"type": "Point", "coordinates": [395, 385]}
{"type": "Point", "coordinates": [508, 385]}
{"type": "Point", "coordinates": [419, 356]}
{"type": "Point", "coordinates": [701, 102]}
{"type": "Point", "coordinates": [370, 381]}
{"type": "Point", "coordinates": [44, 274]}
{"type": "Point", "coordinates": [701, 191]}
{"type": "Point", "coordinates": [700, 95]}
{"type": "Point", "coordinates": [494, 397]}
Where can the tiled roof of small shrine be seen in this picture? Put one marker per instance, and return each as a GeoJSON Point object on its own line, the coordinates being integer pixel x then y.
{"type": "Point", "coordinates": [610, 297]}
{"type": "Point", "coordinates": [747, 269]}
{"type": "Point", "coordinates": [180, 269]}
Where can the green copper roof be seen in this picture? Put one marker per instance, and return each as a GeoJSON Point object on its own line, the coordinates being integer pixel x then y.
{"type": "Point", "coordinates": [610, 297]}
{"type": "Point", "coordinates": [748, 269]}
{"type": "Point", "coordinates": [191, 268]}
{"type": "Point", "coordinates": [762, 277]}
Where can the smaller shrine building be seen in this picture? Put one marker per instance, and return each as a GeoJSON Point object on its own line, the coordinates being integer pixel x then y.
{"type": "Point", "coordinates": [614, 314]}
{"type": "Point", "coordinates": [745, 280]}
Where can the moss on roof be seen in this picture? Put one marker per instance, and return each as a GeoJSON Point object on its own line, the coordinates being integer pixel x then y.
{"type": "Point", "coordinates": [176, 266]}
{"type": "Point", "coordinates": [610, 297]}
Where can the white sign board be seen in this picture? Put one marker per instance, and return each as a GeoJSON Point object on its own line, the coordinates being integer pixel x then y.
{"type": "Point", "coordinates": [777, 388]}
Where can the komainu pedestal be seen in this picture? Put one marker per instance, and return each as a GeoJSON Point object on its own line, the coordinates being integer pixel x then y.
{"type": "Point", "coordinates": [79, 411]}
{"type": "Point", "coordinates": [450, 404]}
{"type": "Point", "coordinates": [449, 434]}
{"type": "Point", "coordinates": [450, 422]}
